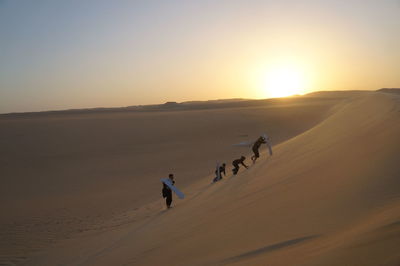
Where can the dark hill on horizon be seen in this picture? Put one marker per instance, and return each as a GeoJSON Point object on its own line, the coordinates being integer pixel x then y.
{"type": "Point", "coordinates": [198, 105]}
{"type": "Point", "coordinates": [390, 90]}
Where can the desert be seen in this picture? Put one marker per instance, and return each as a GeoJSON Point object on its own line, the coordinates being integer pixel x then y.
{"type": "Point", "coordinates": [84, 189]}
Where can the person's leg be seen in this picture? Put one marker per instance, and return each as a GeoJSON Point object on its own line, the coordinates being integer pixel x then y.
{"type": "Point", "coordinates": [236, 169]}
{"type": "Point", "coordinates": [255, 156]}
{"type": "Point", "coordinates": [168, 200]}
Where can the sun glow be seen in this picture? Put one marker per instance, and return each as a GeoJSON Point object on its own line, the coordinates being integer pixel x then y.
{"type": "Point", "coordinates": [282, 77]}
{"type": "Point", "coordinates": [283, 81]}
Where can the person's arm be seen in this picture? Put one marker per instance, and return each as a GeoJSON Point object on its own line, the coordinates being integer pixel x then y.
{"type": "Point", "coordinates": [244, 164]}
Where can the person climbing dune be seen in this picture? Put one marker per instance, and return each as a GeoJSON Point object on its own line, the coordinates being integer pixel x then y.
{"type": "Point", "coordinates": [167, 192]}
{"type": "Point", "coordinates": [256, 146]}
{"type": "Point", "coordinates": [218, 172]}
{"type": "Point", "coordinates": [236, 163]}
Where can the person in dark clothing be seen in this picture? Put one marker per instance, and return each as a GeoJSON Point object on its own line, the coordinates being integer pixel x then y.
{"type": "Point", "coordinates": [236, 163]}
{"type": "Point", "coordinates": [256, 146]}
{"type": "Point", "coordinates": [221, 169]}
{"type": "Point", "coordinates": [167, 192]}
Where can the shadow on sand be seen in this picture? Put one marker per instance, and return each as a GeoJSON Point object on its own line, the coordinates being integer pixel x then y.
{"type": "Point", "coordinates": [267, 249]}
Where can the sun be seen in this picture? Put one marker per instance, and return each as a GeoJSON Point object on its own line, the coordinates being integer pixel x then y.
{"type": "Point", "coordinates": [283, 81]}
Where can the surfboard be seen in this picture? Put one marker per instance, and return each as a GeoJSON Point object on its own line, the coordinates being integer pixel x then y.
{"type": "Point", "coordinates": [244, 144]}
{"type": "Point", "coordinates": [168, 182]}
{"type": "Point", "coordinates": [250, 143]}
{"type": "Point", "coordinates": [268, 142]}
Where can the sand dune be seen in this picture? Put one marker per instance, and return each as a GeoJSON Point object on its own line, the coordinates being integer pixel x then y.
{"type": "Point", "coordinates": [329, 195]}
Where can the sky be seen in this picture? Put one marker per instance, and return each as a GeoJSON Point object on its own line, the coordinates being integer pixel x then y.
{"type": "Point", "coordinates": [81, 54]}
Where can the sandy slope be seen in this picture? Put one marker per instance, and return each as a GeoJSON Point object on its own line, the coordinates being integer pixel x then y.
{"type": "Point", "coordinates": [328, 196]}
{"type": "Point", "coordinates": [64, 173]}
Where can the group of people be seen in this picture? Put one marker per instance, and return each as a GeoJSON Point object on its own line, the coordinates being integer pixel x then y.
{"type": "Point", "coordinates": [236, 163]}
{"type": "Point", "coordinates": [167, 192]}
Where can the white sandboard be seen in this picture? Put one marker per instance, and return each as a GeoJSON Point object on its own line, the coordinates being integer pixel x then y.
{"type": "Point", "coordinates": [244, 144]}
{"type": "Point", "coordinates": [168, 182]}
{"type": "Point", "coordinates": [250, 143]}
{"type": "Point", "coordinates": [268, 142]}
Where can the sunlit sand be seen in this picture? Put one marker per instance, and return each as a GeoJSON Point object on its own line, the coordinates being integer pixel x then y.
{"type": "Point", "coordinates": [84, 188]}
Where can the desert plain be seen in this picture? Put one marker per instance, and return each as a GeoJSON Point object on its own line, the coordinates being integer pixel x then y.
{"type": "Point", "coordinates": [82, 187]}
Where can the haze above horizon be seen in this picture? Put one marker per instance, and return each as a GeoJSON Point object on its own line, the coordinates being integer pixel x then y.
{"type": "Point", "coordinates": [75, 54]}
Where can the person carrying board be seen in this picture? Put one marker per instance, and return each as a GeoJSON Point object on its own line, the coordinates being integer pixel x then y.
{"type": "Point", "coordinates": [236, 163]}
{"type": "Point", "coordinates": [167, 192]}
{"type": "Point", "coordinates": [218, 172]}
{"type": "Point", "coordinates": [256, 146]}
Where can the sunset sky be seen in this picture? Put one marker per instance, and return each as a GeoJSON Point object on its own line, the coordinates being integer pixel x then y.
{"type": "Point", "coordinates": [82, 54]}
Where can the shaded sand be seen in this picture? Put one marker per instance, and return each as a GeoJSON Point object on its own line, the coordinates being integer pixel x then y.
{"type": "Point", "coordinates": [330, 195]}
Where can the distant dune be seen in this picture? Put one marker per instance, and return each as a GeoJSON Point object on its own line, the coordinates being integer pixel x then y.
{"type": "Point", "coordinates": [198, 105]}
{"type": "Point", "coordinates": [83, 188]}
{"type": "Point", "coordinates": [390, 90]}
{"type": "Point", "coordinates": [338, 94]}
